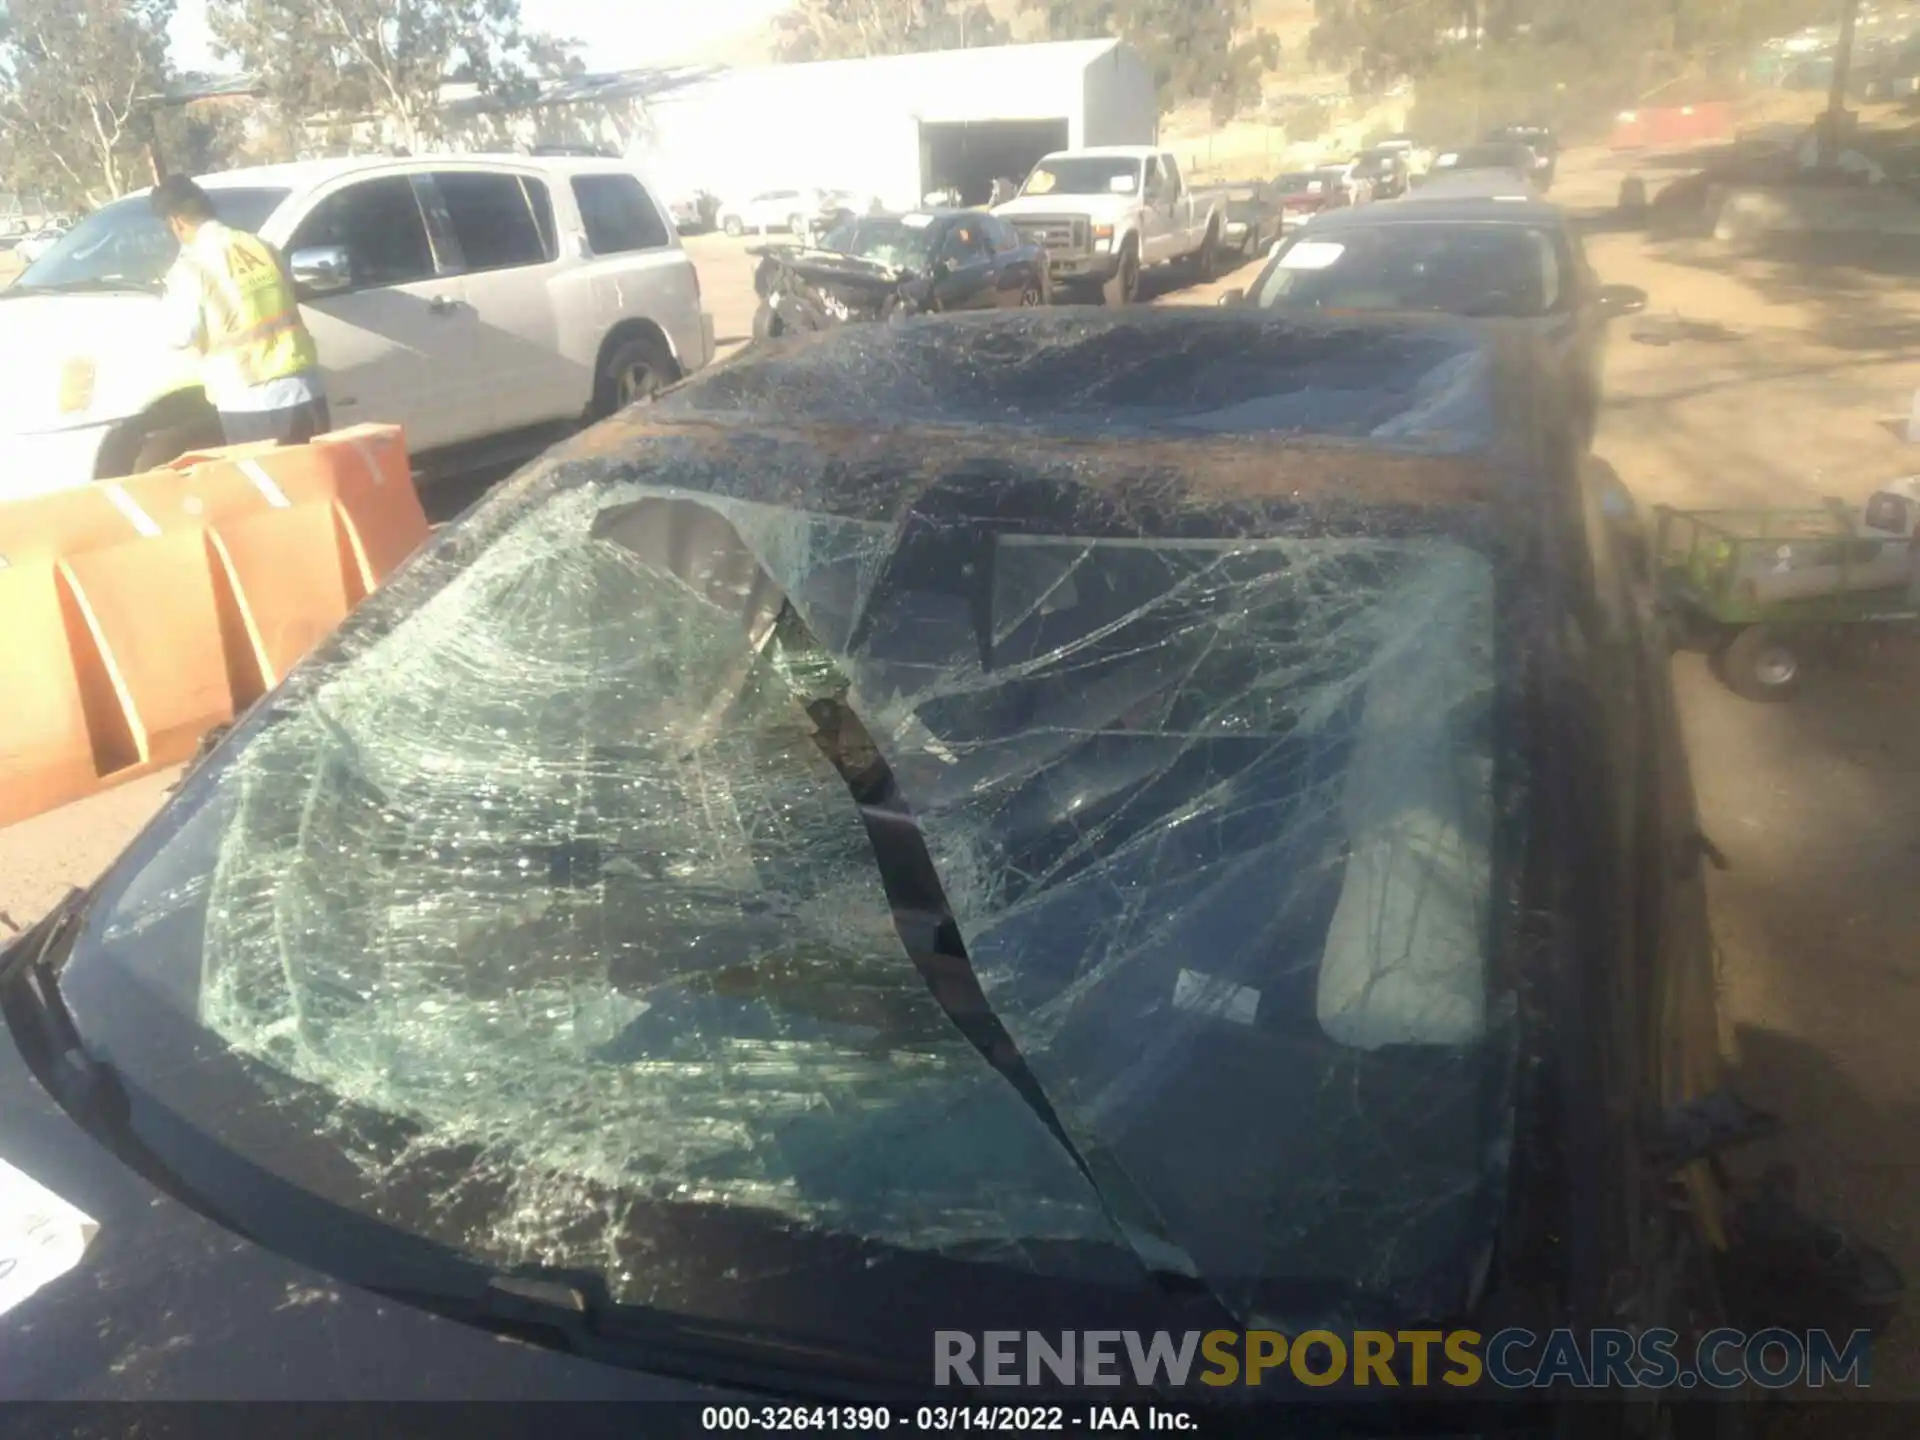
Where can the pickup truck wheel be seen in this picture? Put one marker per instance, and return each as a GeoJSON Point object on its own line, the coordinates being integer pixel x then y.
{"type": "Point", "coordinates": [634, 370]}
{"type": "Point", "coordinates": [1206, 264]}
{"type": "Point", "coordinates": [1124, 287]}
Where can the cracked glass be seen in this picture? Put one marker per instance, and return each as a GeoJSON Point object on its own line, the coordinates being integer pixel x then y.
{"type": "Point", "coordinates": [542, 900]}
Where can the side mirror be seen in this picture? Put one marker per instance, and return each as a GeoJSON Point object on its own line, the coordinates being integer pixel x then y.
{"type": "Point", "coordinates": [1614, 300]}
{"type": "Point", "coordinates": [1233, 297]}
{"type": "Point", "coordinates": [321, 270]}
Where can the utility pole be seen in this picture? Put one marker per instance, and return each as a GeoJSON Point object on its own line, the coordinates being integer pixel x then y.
{"type": "Point", "coordinates": [1835, 117]}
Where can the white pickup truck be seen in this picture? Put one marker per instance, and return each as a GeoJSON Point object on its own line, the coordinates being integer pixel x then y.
{"type": "Point", "coordinates": [1104, 214]}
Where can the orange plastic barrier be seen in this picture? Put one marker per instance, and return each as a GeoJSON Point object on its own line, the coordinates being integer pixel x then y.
{"type": "Point", "coordinates": [141, 613]}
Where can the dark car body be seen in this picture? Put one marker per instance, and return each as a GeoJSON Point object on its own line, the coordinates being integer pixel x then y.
{"type": "Point", "coordinates": [877, 266]}
{"type": "Point", "coordinates": [1567, 311]}
{"type": "Point", "coordinates": [1541, 140]}
{"type": "Point", "coordinates": [708, 906]}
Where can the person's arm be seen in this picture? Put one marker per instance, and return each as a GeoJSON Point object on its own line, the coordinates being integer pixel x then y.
{"type": "Point", "coordinates": [186, 327]}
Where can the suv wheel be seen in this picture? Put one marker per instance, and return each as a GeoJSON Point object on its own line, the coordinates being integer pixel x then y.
{"type": "Point", "coordinates": [634, 370]}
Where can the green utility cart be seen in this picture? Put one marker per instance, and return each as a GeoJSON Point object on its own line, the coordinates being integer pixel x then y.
{"type": "Point", "coordinates": [1767, 591]}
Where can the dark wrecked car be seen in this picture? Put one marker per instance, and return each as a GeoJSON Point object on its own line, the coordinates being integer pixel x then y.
{"type": "Point", "coordinates": [1036, 822]}
{"type": "Point", "coordinates": [879, 267]}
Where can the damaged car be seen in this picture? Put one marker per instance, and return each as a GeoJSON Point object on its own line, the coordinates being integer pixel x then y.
{"type": "Point", "coordinates": [1160, 822]}
{"type": "Point", "coordinates": [878, 267]}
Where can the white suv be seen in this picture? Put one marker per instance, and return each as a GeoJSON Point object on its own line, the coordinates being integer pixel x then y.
{"type": "Point", "coordinates": [482, 303]}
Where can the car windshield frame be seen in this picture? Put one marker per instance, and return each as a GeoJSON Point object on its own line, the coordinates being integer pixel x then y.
{"type": "Point", "coordinates": [887, 240]}
{"type": "Point", "coordinates": [126, 1000]}
{"type": "Point", "coordinates": [1082, 175]}
{"type": "Point", "coordinates": [1300, 285]}
{"type": "Point", "coordinates": [97, 251]}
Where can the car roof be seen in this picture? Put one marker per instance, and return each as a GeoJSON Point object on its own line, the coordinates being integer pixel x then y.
{"type": "Point", "coordinates": [307, 174]}
{"type": "Point", "coordinates": [1509, 206]}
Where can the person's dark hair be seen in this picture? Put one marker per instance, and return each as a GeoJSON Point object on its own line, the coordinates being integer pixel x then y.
{"type": "Point", "coordinates": [178, 198]}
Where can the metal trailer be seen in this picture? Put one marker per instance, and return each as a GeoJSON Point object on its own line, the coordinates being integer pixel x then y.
{"type": "Point", "coordinates": [1768, 591]}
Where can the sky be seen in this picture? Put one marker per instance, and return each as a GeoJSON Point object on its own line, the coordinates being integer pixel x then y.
{"type": "Point", "coordinates": [617, 34]}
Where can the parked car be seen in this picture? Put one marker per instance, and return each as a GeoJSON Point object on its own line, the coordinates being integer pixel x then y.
{"type": "Point", "coordinates": [877, 267]}
{"type": "Point", "coordinates": [1507, 158]}
{"type": "Point", "coordinates": [1512, 259]}
{"type": "Point", "coordinates": [1302, 194]}
{"type": "Point", "coordinates": [1253, 218]}
{"type": "Point", "coordinates": [1347, 184]}
{"type": "Point", "coordinates": [981, 813]}
{"type": "Point", "coordinates": [1384, 171]}
{"type": "Point", "coordinates": [1538, 139]}
{"type": "Point", "coordinates": [1418, 157]}
{"type": "Point", "coordinates": [1106, 214]}
{"type": "Point", "coordinates": [695, 212]}
{"type": "Point", "coordinates": [772, 210]}
{"type": "Point", "coordinates": [36, 244]}
{"type": "Point", "coordinates": [479, 303]}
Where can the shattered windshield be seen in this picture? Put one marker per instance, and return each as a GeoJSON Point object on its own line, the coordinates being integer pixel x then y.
{"type": "Point", "coordinates": [542, 906]}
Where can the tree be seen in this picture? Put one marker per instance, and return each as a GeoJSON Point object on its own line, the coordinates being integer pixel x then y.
{"type": "Point", "coordinates": [1197, 49]}
{"type": "Point", "coordinates": [75, 82]}
{"type": "Point", "coordinates": [331, 59]}
{"type": "Point", "coordinates": [857, 29]}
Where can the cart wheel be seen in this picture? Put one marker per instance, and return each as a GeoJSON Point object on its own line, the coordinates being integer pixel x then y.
{"type": "Point", "coordinates": [1761, 663]}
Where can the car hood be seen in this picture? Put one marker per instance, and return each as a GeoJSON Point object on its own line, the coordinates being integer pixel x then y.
{"type": "Point", "coordinates": [1095, 205]}
{"type": "Point", "coordinates": [841, 271]}
{"type": "Point", "coordinates": [162, 1304]}
{"type": "Point", "coordinates": [121, 334]}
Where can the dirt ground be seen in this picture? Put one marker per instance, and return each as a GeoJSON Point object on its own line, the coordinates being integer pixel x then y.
{"type": "Point", "coordinates": [1783, 382]}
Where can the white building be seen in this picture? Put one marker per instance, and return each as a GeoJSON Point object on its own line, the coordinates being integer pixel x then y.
{"type": "Point", "coordinates": [896, 127]}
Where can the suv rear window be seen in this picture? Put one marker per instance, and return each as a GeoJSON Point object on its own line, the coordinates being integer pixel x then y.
{"type": "Point", "coordinates": [618, 214]}
{"type": "Point", "coordinates": [497, 218]}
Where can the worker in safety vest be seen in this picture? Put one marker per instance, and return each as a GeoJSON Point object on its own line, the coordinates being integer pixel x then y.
{"type": "Point", "coordinates": [232, 299]}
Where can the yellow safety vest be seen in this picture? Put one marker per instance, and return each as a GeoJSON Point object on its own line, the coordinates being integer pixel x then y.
{"type": "Point", "coordinates": [253, 326]}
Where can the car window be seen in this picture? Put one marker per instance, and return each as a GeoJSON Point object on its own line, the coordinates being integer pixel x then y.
{"type": "Point", "coordinates": [965, 244]}
{"type": "Point", "coordinates": [125, 241]}
{"type": "Point", "coordinates": [1084, 175]}
{"type": "Point", "coordinates": [1153, 180]}
{"type": "Point", "coordinates": [1470, 269]}
{"type": "Point", "coordinates": [380, 225]}
{"type": "Point", "coordinates": [1171, 172]}
{"type": "Point", "coordinates": [618, 214]}
{"type": "Point", "coordinates": [493, 218]}
{"type": "Point", "coordinates": [1001, 234]}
